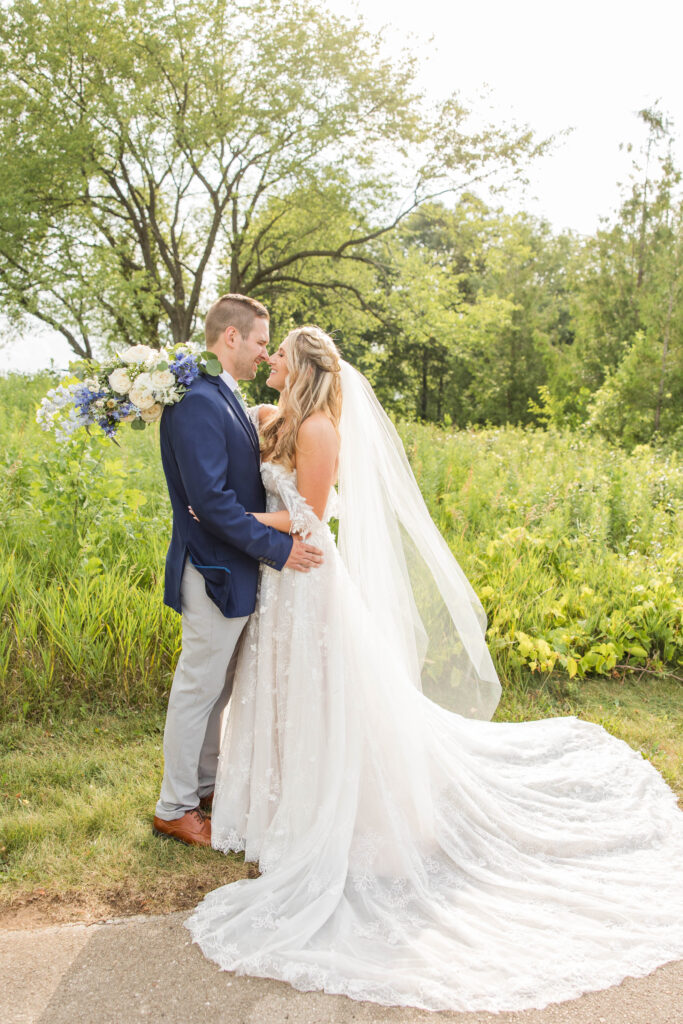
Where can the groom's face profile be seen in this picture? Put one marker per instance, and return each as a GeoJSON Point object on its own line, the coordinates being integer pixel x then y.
{"type": "Point", "coordinates": [245, 353]}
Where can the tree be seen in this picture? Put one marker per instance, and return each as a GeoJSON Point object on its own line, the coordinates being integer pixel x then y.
{"type": "Point", "coordinates": [643, 396]}
{"type": "Point", "coordinates": [476, 301]}
{"type": "Point", "coordinates": [525, 265]}
{"type": "Point", "coordinates": [613, 272]}
{"type": "Point", "coordinates": [630, 329]}
{"type": "Point", "coordinates": [152, 148]}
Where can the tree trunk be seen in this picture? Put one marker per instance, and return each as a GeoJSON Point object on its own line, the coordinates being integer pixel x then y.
{"type": "Point", "coordinates": [423, 395]}
{"type": "Point", "coordinates": [178, 330]}
{"type": "Point", "coordinates": [643, 217]}
{"type": "Point", "coordinates": [665, 352]}
{"type": "Point", "coordinates": [235, 275]}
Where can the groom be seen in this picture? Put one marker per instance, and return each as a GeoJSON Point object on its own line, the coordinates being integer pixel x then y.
{"type": "Point", "coordinates": [210, 455]}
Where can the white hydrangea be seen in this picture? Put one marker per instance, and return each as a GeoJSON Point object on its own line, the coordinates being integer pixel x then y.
{"type": "Point", "coordinates": [57, 412]}
{"type": "Point", "coordinates": [67, 426]}
{"type": "Point", "coordinates": [119, 381]}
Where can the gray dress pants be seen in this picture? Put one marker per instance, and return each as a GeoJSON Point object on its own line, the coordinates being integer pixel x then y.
{"type": "Point", "coordinates": [200, 692]}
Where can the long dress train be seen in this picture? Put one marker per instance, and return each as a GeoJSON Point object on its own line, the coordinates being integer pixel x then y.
{"type": "Point", "coordinates": [411, 856]}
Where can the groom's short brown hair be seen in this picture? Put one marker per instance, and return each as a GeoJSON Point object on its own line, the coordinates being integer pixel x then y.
{"type": "Point", "coordinates": [232, 311]}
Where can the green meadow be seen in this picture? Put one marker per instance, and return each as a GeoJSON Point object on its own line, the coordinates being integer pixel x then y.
{"type": "Point", "coordinates": [575, 548]}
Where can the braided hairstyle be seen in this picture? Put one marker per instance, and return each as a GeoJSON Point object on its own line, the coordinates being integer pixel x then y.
{"type": "Point", "coordinates": [313, 384]}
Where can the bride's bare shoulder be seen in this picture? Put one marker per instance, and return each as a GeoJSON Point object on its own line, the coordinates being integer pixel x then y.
{"type": "Point", "coordinates": [317, 431]}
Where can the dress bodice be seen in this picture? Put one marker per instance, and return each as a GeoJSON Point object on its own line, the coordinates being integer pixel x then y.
{"type": "Point", "coordinates": [281, 493]}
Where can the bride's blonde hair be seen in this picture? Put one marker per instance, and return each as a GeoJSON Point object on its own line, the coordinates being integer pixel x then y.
{"type": "Point", "coordinates": [313, 384]}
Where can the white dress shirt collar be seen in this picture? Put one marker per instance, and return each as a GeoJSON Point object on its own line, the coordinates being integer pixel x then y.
{"type": "Point", "coordinates": [229, 380]}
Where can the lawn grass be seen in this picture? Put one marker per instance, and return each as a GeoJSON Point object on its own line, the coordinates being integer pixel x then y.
{"type": "Point", "coordinates": [76, 804]}
{"type": "Point", "coordinates": [77, 798]}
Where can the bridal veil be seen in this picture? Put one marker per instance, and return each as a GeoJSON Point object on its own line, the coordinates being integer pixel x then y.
{"type": "Point", "coordinates": [409, 579]}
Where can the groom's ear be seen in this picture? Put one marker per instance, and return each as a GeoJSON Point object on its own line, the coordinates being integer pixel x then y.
{"type": "Point", "coordinates": [231, 336]}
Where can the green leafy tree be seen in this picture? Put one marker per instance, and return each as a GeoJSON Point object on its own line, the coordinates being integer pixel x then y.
{"type": "Point", "coordinates": [524, 266]}
{"type": "Point", "coordinates": [476, 302]}
{"type": "Point", "coordinates": [640, 391]}
{"type": "Point", "coordinates": [643, 396]}
{"type": "Point", "coordinates": [152, 148]}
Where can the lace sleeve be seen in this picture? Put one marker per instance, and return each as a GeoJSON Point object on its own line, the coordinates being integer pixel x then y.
{"type": "Point", "coordinates": [304, 520]}
{"type": "Point", "coordinates": [253, 414]}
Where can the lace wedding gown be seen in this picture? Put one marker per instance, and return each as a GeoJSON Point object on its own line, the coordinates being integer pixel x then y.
{"type": "Point", "coordinates": [409, 855]}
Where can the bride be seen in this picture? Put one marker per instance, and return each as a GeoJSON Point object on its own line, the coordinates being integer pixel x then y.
{"type": "Point", "coordinates": [411, 851]}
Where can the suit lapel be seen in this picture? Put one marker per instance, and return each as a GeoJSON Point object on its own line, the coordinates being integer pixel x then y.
{"type": "Point", "coordinates": [239, 411]}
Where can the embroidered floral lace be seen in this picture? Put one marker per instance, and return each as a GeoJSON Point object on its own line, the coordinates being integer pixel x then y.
{"type": "Point", "coordinates": [408, 855]}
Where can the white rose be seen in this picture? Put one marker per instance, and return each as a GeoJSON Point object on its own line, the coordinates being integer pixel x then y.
{"type": "Point", "coordinates": [141, 397]}
{"type": "Point", "coordinates": [119, 381]}
{"type": "Point", "coordinates": [138, 354]}
{"type": "Point", "coordinates": [163, 379]}
{"type": "Point", "coordinates": [152, 414]}
{"type": "Point", "coordinates": [144, 380]}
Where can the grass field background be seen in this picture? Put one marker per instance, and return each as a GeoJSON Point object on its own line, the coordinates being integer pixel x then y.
{"type": "Point", "coordinates": [575, 548]}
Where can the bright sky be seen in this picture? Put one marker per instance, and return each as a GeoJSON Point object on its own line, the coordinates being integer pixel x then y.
{"type": "Point", "coordinates": [589, 65]}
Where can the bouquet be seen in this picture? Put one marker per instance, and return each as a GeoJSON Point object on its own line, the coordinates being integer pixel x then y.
{"type": "Point", "coordinates": [132, 387]}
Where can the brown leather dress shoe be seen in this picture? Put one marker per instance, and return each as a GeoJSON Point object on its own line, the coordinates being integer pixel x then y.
{"type": "Point", "coordinates": [193, 829]}
{"type": "Point", "coordinates": [206, 803]}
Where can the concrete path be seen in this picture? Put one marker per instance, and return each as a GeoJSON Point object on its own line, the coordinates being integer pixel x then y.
{"type": "Point", "coordinates": [146, 969]}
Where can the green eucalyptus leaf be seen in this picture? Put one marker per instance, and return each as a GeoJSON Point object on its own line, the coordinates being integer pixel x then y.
{"type": "Point", "coordinates": [138, 424]}
{"type": "Point", "coordinates": [213, 368]}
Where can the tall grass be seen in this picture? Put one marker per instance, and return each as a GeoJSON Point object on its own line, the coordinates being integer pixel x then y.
{"type": "Point", "coordinates": [575, 548]}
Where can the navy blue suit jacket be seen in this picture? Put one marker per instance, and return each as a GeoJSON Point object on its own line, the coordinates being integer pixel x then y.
{"type": "Point", "coordinates": [211, 459]}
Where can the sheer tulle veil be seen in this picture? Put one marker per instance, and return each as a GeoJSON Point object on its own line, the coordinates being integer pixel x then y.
{"type": "Point", "coordinates": [407, 575]}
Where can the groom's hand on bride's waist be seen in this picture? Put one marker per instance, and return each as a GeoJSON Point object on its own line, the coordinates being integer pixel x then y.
{"type": "Point", "coordinates": [303, 557]}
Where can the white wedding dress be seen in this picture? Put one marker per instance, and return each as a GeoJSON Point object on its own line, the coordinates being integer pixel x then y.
{"type": "Point", "coordinates": [412, 856]}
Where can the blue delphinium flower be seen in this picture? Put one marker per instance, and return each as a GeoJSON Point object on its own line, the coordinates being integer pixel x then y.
{"type": "Point", "coordinates": [108, 427]}
{"type": "Point", "coordinates": [121, 411]}
{"type": "Point", "coordinates": [84, 398]}
{"type": "Point", "coordinates": [185, 369]}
